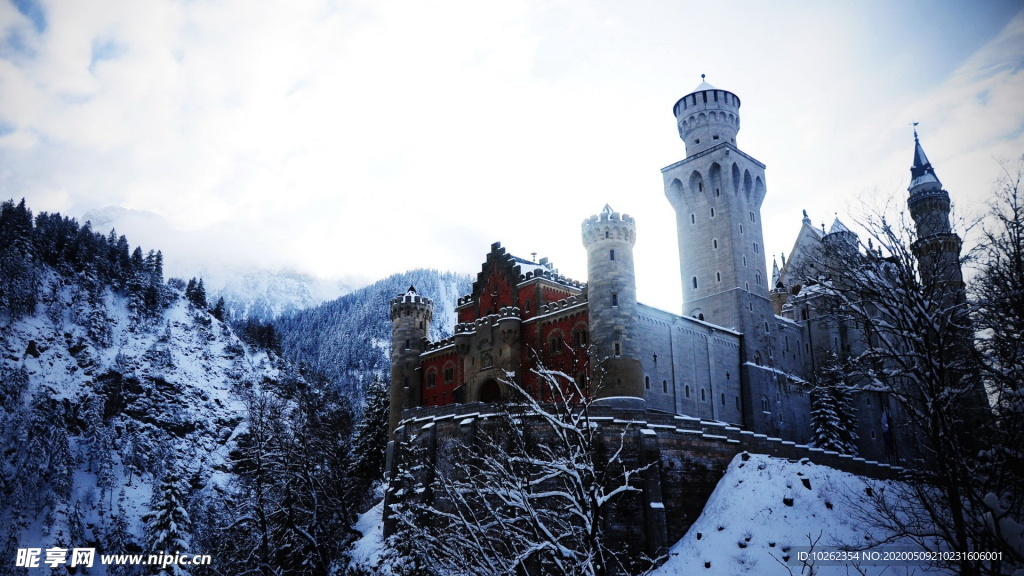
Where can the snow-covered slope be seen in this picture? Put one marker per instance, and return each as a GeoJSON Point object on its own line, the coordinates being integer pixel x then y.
{"type": "Point", "coordinates": [765, 509]}
{"type": "Point", "coordinates": [125, 397]}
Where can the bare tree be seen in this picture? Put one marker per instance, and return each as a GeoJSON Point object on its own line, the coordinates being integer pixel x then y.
{"type": "Point", "coordinates": [998, 290]}
{"type": "Point", "coordinates": [527, 495]}
{"type": "Point", "coordinates": [906, 296]}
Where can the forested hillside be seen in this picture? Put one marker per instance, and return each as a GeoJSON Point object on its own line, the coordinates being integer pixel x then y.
{"type": "Point", "coordinates": [349, 339]}
{"type": "Point", "coordinates": [134, 420]}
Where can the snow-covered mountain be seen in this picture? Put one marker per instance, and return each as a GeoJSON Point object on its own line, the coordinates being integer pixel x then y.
{"type": "Point", "coordinates": [134, 421]}
{"type": "Point", "coordinates": [99, 404]}
{"type": "Point", "coordinates": [349, 339]}
{"type": "Point", "coordinates": [255, 288]}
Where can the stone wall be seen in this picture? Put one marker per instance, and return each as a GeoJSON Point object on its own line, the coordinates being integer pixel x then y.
{"type": "Point", "coordinates": [688, 457]}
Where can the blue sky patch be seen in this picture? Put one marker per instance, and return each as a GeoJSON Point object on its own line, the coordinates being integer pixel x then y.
{"type": "Point", "coordinates": [104, 50]}
{"type": "Point", "coordinates": [32, 10]}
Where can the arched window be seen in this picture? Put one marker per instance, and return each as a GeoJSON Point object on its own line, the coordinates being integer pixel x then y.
{"type": "Point", "coordinates": [687, 390]}
{"type": "Point", "coordinates": [703, 396]}
{"type": "Point", "coordinates": [664, 386]}
{"type": "Point", "coordinates": [647, 382]}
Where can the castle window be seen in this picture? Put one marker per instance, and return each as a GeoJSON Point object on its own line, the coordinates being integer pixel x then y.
{"type": "Point", "coordinates": [727, 376]}
{"type": "Point", "coordinates": [752, 218]}
{"type": "Point", "coordinates": [449, 375]}
{"type": "Point", "coordinates": [697, 141]}
{"type": "Point", "coordinates": [737, 402]}
{"type": "Point", "coordinates": [618, 349]}
{"type": "Point", "coordinates": [421, 324]}
{"type": "Point", "coordinates": [408, 344]}
{"type": "Point", "coordinates": [705, 95]}
{"type": "Point", "coordinates": [757, 276]}
{"type": "Point", "coordinates": [715, 137]}
{"type": "Point", "coordinates": [655, 360]}
{"type": "Point", "coordinates": [756, 248]}
{"type": "Point", "coordinates": [694, 282]}
{"type": "Point", "coordinates": [712, 212]}
{"type": "Point", "coordinates": [872, 434]}
{"type": "Point", "coordinates": [766, 327]}
{"type": "Point", "coordinates": [580, 337]}
{"type": "Point", "coordinates": [869, 401]}
{"type": "Point", "coordinates": [700, 186]}
{"type": "Point", "coordinates": [607, 234]}
{"type": "Point", "coordinates": [757, 358]}
{"type": "Point", "coordinates": [714, 244]}
{"type": "Point", "coordinates": [703, 396]}
{"type": "Point", "coordinates": [751, 306]}
{"type": "Point", "coordinates": [718, 191]}
{"type": "Point", "coordinates": [647, 382]}
{"type": "Point", "coordinates": [716, 100]}
{"type": "Point", "coordinates": [687, 390]}
{"type": "Point", "coordinates": [700, 316]}
{"type": "Point", "coordinates": [611, 255]}
{"type": "Point", "coordinates": [718, 276]}
{"type": "Point", "coordinates": [741, 228]}
{"type": "Point", "coordinates": [556, 343]}
{"type": "Point", "coordinates": [723, 398]}
{"type": "Point", "coordinates": [664, 386]}
{"type": "Point", "coordinates": [744, 261]}
{"type": "Point", "coordinates": [746, 286]}
{"type": "Point", "coordinates": [527, 306]}
{"type": "Point", "coordinates": [615, 299]}
{"type": "Point", "coordinates": [693, 218]}
{"type": "Point", "coordinates": [431, 379]}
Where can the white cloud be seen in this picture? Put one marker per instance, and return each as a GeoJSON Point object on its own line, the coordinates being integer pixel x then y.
{"type": "Point", "coordinates": [378, 136]}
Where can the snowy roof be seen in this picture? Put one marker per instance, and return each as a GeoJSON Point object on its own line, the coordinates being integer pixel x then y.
{"type": "Point", "coordinates": [838, 226]}
{"type": "Point", "coordinates": [704, 86]}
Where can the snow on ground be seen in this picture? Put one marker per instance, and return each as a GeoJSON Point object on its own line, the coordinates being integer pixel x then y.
{"type": "Point", "coordinates": [366, 552]}
{"type": "Point", "coordinates": [760, 512]}
{"type": "Point", "coordinates": [763, 508]}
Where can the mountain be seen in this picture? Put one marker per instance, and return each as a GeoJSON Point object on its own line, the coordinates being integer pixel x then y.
{"type": "Point", "coordinates": [349, 339]}
{"type": "Point", "coordinates": [251, 287]}
{"type": "Point", "coordinates": [133, 420]}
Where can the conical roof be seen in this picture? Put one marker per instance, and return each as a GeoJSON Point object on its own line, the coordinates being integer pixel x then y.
{"type": "Point", "coordinates": [922, 175]}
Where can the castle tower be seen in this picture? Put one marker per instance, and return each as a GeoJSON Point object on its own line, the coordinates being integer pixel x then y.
{"type": "Point", "coordinates": [937, 247]}
{"type": "Point", "coordinates": [410, 324]}
{"type": "Point", "coordinates": [611, 292]}
{"type": "Point", "coordinates": [717, 191]}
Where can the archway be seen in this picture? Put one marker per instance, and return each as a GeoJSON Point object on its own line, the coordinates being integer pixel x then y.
{"type": "Point", "coordinates": [489, 392]}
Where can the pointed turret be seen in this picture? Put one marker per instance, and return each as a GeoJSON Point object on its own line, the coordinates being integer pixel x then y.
{"type": "Point", "coordinates": [922, 175]}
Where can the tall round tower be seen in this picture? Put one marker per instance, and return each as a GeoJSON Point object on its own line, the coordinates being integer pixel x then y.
{"type": "Point", "coordinates": [937, 247]}
{"type": "Point", "coordinates": [706, 117]}
{"type": "Point", "coordinates": [617, 376]}
{"type": "Point", "coordinates": [410, 324]}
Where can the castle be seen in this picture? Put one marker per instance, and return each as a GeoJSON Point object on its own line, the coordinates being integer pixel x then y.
{"type": "Point", "coordinates": [744, 352]}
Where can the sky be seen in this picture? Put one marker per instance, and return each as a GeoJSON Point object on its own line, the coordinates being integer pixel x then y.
{"type": "Point", "coordinates": [362, 138]}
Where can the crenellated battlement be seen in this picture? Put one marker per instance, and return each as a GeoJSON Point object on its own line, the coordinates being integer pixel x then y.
{"type": "Point", "coordinates": [609, 225]}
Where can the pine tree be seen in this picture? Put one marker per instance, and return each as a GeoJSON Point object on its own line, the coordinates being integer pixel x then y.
{"type": "Point", "coordinates": [371, 441]}
{"type": "Point", "coordinates": [218, 309]}
{"type": "Point", "coordinates": [832, 413]}
{"type": "Point", "coordinates": [167, 522]}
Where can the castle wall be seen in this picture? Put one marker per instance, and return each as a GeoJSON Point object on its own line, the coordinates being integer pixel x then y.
{"type": "Point", "coordinates": [687, 457]}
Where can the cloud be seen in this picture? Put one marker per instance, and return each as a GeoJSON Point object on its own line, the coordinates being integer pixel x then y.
{"type": "Point", "coordinates": [372, 137]}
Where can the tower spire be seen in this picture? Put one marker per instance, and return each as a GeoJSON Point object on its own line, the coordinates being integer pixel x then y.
{"type": "Point", "coordinates": [922, 175]}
